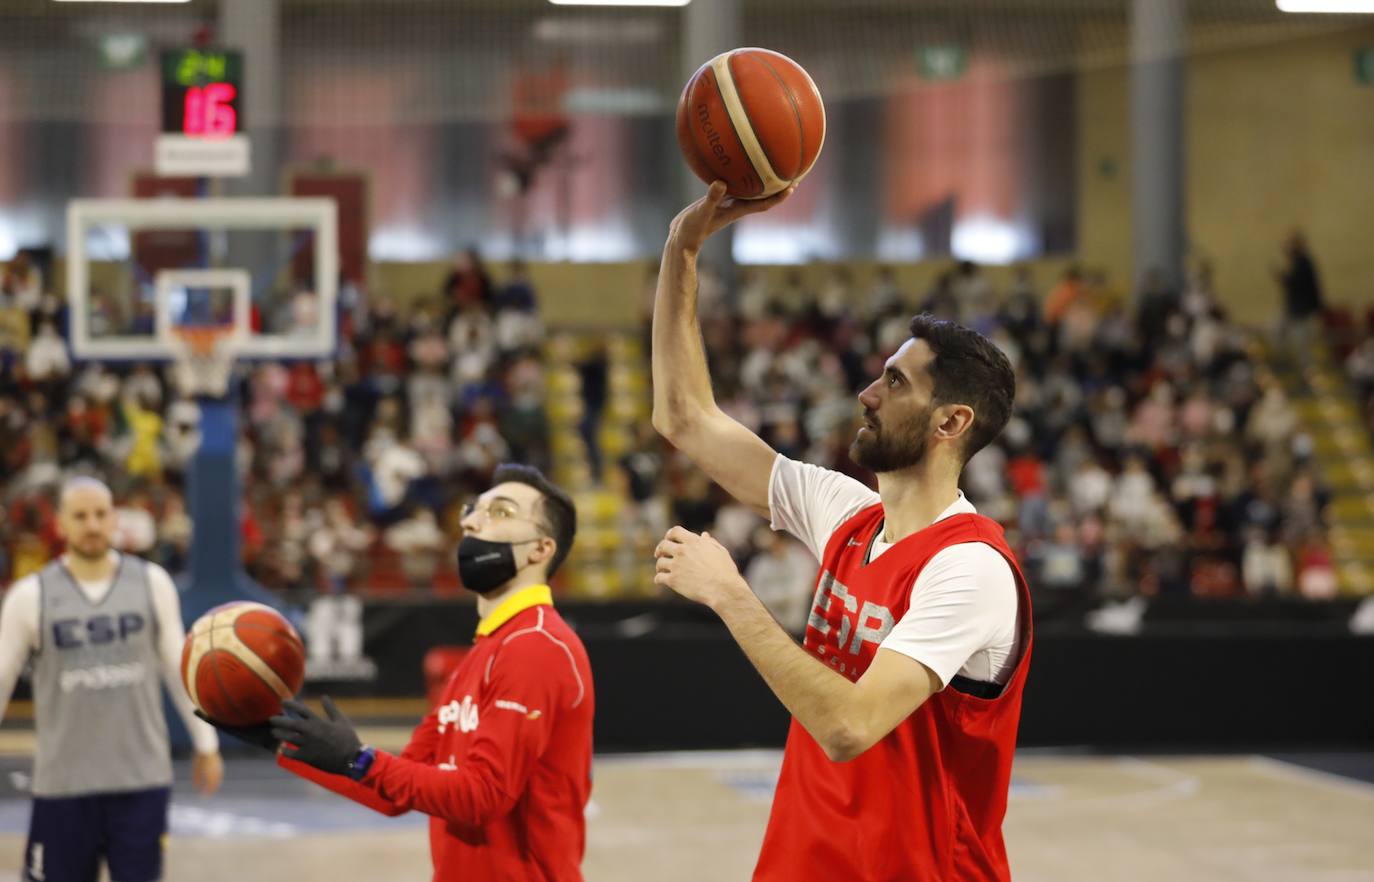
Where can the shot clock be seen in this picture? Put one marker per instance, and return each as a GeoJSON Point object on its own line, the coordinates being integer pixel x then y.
{"type": "Point", "coordinates": [202, 92]}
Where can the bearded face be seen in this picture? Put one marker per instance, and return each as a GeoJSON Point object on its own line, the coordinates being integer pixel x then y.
{"type": "Point", "coordinates": [892, 443]}
{"type": "Point", "coordinates": [86, 521]}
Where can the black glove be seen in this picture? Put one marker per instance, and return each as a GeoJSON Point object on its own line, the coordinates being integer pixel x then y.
{"type": "Point", "coordinates": [329, 745]}
{"type": "Point", "coordinates": [260, 735]}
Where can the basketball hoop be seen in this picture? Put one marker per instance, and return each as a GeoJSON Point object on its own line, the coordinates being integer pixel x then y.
{"type": "Point", "coordinates": [204, 359]}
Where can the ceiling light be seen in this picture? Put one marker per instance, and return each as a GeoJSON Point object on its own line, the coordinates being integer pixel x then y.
{"type": "Point", "coordinates": [1337, 6]}
{"type": "Point", "coordinates": [620, 2]}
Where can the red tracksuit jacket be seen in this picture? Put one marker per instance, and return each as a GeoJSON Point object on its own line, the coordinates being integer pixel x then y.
{"type": "Point", "coordinates": [503, 764]}
{"type": "Point", "coordinates": [924, 804]}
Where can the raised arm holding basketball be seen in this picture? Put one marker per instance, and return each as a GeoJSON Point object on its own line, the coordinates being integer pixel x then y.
{"type": "Point", "coordinates": [685, 410]}
{"type": "Point", "coordinates": [844, 718]}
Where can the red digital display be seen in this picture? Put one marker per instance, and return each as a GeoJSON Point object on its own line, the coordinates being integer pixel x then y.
{"type": "Point", "coordinates": [202, 92]}
{"type": "Point", "coordinates": [210, 112]}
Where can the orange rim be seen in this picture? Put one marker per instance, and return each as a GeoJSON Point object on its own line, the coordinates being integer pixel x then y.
{"type": "Point", "coordinates": [201, 340]}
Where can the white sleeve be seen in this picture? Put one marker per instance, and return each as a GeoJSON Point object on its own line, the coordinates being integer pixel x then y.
{"type": "Point", "coordinates": [811, 502]}
{"type": "Point", "coordinates": [18, 634]}
{"type": "Point", "coordinates": [964, 603]}
{"type": "Point", "coordinates": [171, 635]}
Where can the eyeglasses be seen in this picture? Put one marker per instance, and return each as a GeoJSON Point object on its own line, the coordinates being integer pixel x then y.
{"type": "Point", "coordinates": [497, 510]}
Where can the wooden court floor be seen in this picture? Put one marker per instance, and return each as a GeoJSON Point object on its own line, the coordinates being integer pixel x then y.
{"type": "Point", "coordinates": [693, 817]}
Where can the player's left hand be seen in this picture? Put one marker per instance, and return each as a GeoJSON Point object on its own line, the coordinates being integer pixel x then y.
{"type": "Point", "coordinates": [207, 772]}
{"type": "Point", "coordinates": [328, 745]}
{"type": "Point", "coordinates": [697, 567]}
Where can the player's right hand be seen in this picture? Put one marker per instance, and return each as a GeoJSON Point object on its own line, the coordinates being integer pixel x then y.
{"type": "Point", "coordinates": [260, 735]}
{"type": "Point", "coordinates": [713, 212]}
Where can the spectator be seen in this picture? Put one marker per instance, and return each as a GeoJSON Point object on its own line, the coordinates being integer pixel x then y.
{"type": "Point", "coordinates": [977, 303]}
{"type": "Point", "coordinates": [1302, 297]}
{"type": "Point", "coordinates": [82, 434]}
{"type": "Point", "coordinates": [693, 507]}
{"type": "Point", "coordinates": [1058, 562]}
{"type": "Point", "coordinates": [329, 458]}
{"type": "Point", "coordinates": [1133, 499]}
{"type": "Point", "coordinates": [174, 531]}
{"type": "Point", "coordinates": [1273, 420]}
{"type": "Point", "coordinates": [180, 435]}
{"type": "Point", "coordinates": [427, 347]}
{"type": "Point", "coordinates": [420, 543]}
{"type": "Point", "coordinates": [304, 389]}
{"type": "Point", "coordinates": [1266, 565]}
{"type": "Point", "coordinates": [783, 575]}
{"type": "Point", "coordinates": [1065, 295]}
{"type": "Point", "coordinates": [14, 335]}
{"type": "Point", "coordinates": [431, 421]}
{"type": "Point", "coordinates": [338, 544]}
{"type": "Point", "coordinates": [135, 526]}
{"type": "Point", "coordinates": [523, 422]}
{"type": "Point", "coordinates": [481, 447]}
{"type": "Point", "coordinates": [1090, 488]}
{"type": "Point", "coordinates": [250, 534]}
{"type": "Point", "coordinates": [755, 296]}
{"type": "Point", "coordinates": [472, 340]}
{"type": "Point", "coordinates": [468, 284]}
{"type": "Point", "coordinates": [593, 369]}
{"type": "Point", "coordinates": [518, 292]}
{"type": "Point", "coordinates": [144, 459]}
{"type": "Point", "coordinates": [885, 295]}
{"type": "Point", "coordinates": [392, 468]}
{"type": "Point", "coordinates": [291, 535]}
{"type": "Point", "coordinates": [143, 385]}
{"type": "Point", "coordinates": [734, 526]}
{"type": "Point", "coordinates": [385, 364]}
{"type": "Point", "coordinates": [46, 360]}
{"type": "Point", "coordinates": [1316, 571]}
{"type": "Point", "coordinates": [22, 283]}
{"type": "Point", "coordinates": [304, 315]}
{"type": "Point", "coordinates": [1156, 304]}
{"type": "Point", "coordinates": [30, 549]}
{"type": "Point", "coordinates": [643, 463]}
{"type": "Point", "coordinates": [837, 294]}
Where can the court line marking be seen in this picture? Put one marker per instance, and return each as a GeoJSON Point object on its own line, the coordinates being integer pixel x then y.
{"type": "Point", "coordinates": [1174, 784]}
{"type": "Point", "coordinates": [1177, 785]}
{"type": "Point", "coordinates": [707, 760]}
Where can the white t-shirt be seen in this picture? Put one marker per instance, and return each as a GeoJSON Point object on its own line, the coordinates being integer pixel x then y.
{"type": "Point", "coordinates": [19, 637]}
{"type": "Point", "coordinates": [963, 613]}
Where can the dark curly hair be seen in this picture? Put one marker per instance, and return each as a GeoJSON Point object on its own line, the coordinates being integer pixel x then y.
{"type": "Point", "coordinates": [969, 369]}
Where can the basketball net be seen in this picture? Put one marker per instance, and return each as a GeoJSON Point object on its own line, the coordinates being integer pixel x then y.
{"type": "Point", "coordinates": [204, 359]}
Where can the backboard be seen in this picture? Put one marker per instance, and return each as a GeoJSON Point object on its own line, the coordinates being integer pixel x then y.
{"type": "Point", "coordinates": [138, 268]}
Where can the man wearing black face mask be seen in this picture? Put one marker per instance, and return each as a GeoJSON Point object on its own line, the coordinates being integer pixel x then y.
{"type": "Point", "coordinates": [503, 765]}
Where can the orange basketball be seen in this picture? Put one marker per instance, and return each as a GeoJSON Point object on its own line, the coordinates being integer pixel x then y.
{"type": "Point", "coordinates": [753, 119]}
{"type": "Point", "coordinates": [240, 661]}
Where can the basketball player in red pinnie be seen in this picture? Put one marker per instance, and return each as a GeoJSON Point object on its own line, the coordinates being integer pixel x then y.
{"type": "Point", "coordinates": [906, 693]}
{"type": "Point", "coordinates": [503, 765]}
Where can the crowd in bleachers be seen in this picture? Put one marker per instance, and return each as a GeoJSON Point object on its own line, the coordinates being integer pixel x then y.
{"type": "Point", "coordinates": [1150, 451]}
{"type": "Point", "coordinates": [1353, 344]}
{"type": "Point", "coordinates": [356, 468]}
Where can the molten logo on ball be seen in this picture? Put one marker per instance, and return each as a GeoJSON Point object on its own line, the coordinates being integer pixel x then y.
{"type": "Point", "coordinates": [712, 136]}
